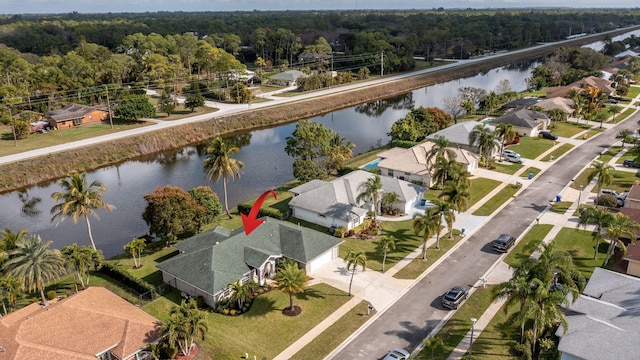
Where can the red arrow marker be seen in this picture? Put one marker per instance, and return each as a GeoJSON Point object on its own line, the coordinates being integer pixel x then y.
{"type": "Point", "coordinates": [250, 222]}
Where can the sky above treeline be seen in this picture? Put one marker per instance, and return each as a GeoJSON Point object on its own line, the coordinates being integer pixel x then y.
{"type": "Point", "coordinates": [118, 6]}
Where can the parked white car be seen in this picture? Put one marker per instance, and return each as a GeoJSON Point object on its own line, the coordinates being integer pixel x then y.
{"type": "Point", "coordinates": [513, 158]}
{"type": "Point", "coordinates": [508, 152]}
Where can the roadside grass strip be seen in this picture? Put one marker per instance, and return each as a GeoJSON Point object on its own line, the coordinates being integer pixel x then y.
{"type": "Point", "coordinates": [496, 201]}
{"type": "Point", "coordinates": [335, 334]}
{"type": "Point", "coordinates": [417, 266]}
{"type": "Point", "coordinates": [555, 154]}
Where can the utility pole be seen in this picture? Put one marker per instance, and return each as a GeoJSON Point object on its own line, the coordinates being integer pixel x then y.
{"type": "Point", "coordinates": [13, 127]}
{"type": "Point", "coordinates": [106, 89]}
{"type": "Point", "coordinates": [382, 63]}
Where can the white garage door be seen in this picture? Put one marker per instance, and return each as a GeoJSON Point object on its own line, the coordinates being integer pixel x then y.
{"type": "Point", "coordinates": [319, 261]}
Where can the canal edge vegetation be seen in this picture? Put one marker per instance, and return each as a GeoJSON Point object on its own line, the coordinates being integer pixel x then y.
{"type": "Point", "coordinates": [45, 168]}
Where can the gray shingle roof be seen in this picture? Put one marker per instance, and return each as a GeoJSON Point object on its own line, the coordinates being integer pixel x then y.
{"type": "Point", "coordinates": [338, 197]}
{"type": "Point", "coordinates": [522, 118]}
{"type": "Point", "coordinates": [604, 322]}
{"type": "Point", "coordinates": [211, 261]}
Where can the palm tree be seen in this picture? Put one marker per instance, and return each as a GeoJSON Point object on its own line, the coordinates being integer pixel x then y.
{"type": "Point", "coordinates": [389, 199]}
{"type": "Point", "coordinates": [603, 172]}
{"type": "Point", "coordinates": [9, 239]}
{"type": "Point", "coordinates": [355, 259]}
{"type": "Point", "coordinates": [82, 258]}
{"type": "Point", "coordinates": [456, 194]}
{"type": "Point", "coordinates": [485, 139]}
{"type": "Point", "coordinates": [619, 226]}
{"type": "Point", "coordinates": [291, 280]}
{"type": "Point", "coordinates": [446, 210]}
{"type": "Point", "coordinates": [219, 163]}
{"type": "Point", "coordinates": [505, 133]}
{"type": "Point", "coordinates": [428, 224]}
{"type": "Point", "coordinates": [371, 191]}
{"type": "Point", "coordinates": [441, 148]}
{"type": "Point", "coordinates": [516, 291]}
{"type": "Point", "coordinates": [12, 287]}
{"type": "Point", "coordinates": [385, 244]}
{"type": "Point", "coordinates": [184, 323]}
{"type": "Point", "coordinates": [240, 292]}
{"type": "Point", "coordinates": [135, 247]}
{"type": "Point", "coordinates": [544, 306]}
{"type": "Point", "coordinates": [598, 217]}
{"type": "Point", "coordinates": [443, 169]}
{"type": "Point", "coordinates": [77, 200]}
{"type": "Point", "coordinates": [432, 346]}
{"type": "Point", "coordinates": [34, 263]}
{"type": "Point", "coordinates": [624, 135]}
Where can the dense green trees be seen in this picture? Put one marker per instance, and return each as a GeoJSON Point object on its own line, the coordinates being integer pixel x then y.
{"type": "Point", "coordinates": [419, 123]}
{"type": "Point", "coordinates": [173, 213]}
{"type": "Point", "coordinates": [82, 259]}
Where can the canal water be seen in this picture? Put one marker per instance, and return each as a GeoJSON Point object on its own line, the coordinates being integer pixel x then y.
{"type": "Point", "coordinates": [266, 166]}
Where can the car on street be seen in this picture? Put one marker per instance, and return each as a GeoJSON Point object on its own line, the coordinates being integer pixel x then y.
{"type": "Point", "coordinates": [548, 135]}
{"type": "Point", "coordinates": [513, 158]}
{"type": "Point", "coordinates": [630, 163]}
{"type": "Point", "coordinates": [397, 354]}
{"type": "Point", "coordinates": [503, 243]}
{"type": "Point", "coordinates": [454, 297]}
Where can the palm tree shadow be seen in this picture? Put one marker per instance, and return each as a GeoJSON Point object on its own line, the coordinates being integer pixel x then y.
{"type": "Point", "coordinates": [261, 306]}
{"type": "Point", "coordinates": [309, 293]}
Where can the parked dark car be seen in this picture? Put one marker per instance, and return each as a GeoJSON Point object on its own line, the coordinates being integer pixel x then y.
{"type": "Point", "coordinates": [631, 163]}
{"type": "Point", "coordinates": [547, 135]}
{"type": "Point", "coordinates": [454, 297]}
{"type": "Point", "coordinates": [503, 243]}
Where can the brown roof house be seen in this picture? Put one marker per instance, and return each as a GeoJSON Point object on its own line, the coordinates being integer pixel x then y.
{"type": "Point", "coordinates": [210, 261]}
{"type": "Point", "coordinates": [590, 81]}
{"type": "Point", "coordinates": [92, 324]}
{"type": "Point", "coordinates": [566, 105]}
{"type": "Point", "coordinates": [411, 164]}
{"type": "Point", "coordinates": [75, 115]}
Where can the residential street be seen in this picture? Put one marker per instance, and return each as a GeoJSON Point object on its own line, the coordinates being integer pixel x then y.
{"type": "Point", "coordinates": [414, 315]}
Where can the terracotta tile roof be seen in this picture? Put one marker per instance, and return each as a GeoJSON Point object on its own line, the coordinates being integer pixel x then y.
{"type": "Point", "coordinates": [78, 327]}
{"type": "Point", "coordinates": [633, 252]}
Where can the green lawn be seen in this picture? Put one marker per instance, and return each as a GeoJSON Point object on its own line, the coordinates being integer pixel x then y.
{"type": "Point", "coordinates": [506, 168]}
{"type": "Point", "coordinates": [569, 128]}
{"type": "Point", "coordinates": [496, 201]}
{"type": "Point", "coordinates": [333, 336]}
{"type": "Point", "coordinates": [480, 187]}
{"type": "Point", "coordinates": [57, 137]}
{"type": "Point", "coordinates": [263, 331]}
{"type": "Point", "coordinates": [560, 207]}
{"type": "Point", "coordinates": [555, 154]}
{"type": "Point", "coordinates": [532, 170]}
{"type": "Point", "coordinates": [633, 91]}
{"type": "Point", "coordinates": [532, 147]}
{"type": "Point", "coordinates": [498, 337]}
{"type": "Point", "coordinates": [581, 245]}
{"type": "Point", "coordinates": [148, 272]}
{"type": "Point", "coordinates": [457, 327]}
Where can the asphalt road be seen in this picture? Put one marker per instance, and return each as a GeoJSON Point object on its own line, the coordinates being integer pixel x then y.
{"type": "Point", "coordinates": [407, 322]}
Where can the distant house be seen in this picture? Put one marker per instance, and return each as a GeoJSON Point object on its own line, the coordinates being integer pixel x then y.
{"type": "Point", "coordinates": [334, 203]}
{"type": "Point", "coordinates": [564, 104]}
{"type": "Point", "coordinates": [522, 103]}
{"type": "Point", "coordinates": [458, 134]}
{"type": "Point", "coordinates": [582, 84]}
{"type": "Point", "coordinates": [92, 324]}
{"type": "Point", "coordinates": [288, 78]}
{"type": "Point", "coordinates": [632, 200]}
{"type": "Point", "coordinates": [525, 122]}
{"type": "Point", "coordinates": [210, 261]}
{"type": "Point", "coordinates": [411, 164]}
{"type": "Point", "coordinates": [604, 322]}
{"type": "Point", "coordinates": [76, 115]}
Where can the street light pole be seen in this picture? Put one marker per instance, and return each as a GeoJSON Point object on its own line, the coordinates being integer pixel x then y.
{"type": "Point", "coordinates": [473, 323]}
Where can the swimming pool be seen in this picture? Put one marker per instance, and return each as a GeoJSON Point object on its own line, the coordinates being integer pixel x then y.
{"type": "Point", "coordinates": [371, 165]}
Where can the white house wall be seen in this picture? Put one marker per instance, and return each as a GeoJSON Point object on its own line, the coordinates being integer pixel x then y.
{"type": "Point", "coordinates": [187, 288]}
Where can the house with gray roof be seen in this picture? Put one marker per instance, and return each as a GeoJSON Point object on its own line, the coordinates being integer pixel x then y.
{"type": "Point", "coordinates": [525, 122]}
{"type": "Point", "coordinates": [335, 203]}
{"type": "Point", "coordinates": [458, 134]}
{"type": "Point", "coordinates": [604, 322]}
{"type": "Point", "coordinates": [210, 261]}
{"type": "Point", "coordinates": [411, 164]}
{"type": "Point", "coordinates": [288, 77]}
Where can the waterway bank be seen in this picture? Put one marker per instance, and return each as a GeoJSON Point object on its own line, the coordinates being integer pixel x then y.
{"type": "Point", "coordinates": [25, 173]}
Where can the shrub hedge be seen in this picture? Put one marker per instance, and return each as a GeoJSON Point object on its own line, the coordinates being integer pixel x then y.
{"type": "Point", "coordinates": [124, 277]}
{"type": "Point", "coordinates": [244, 208]}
